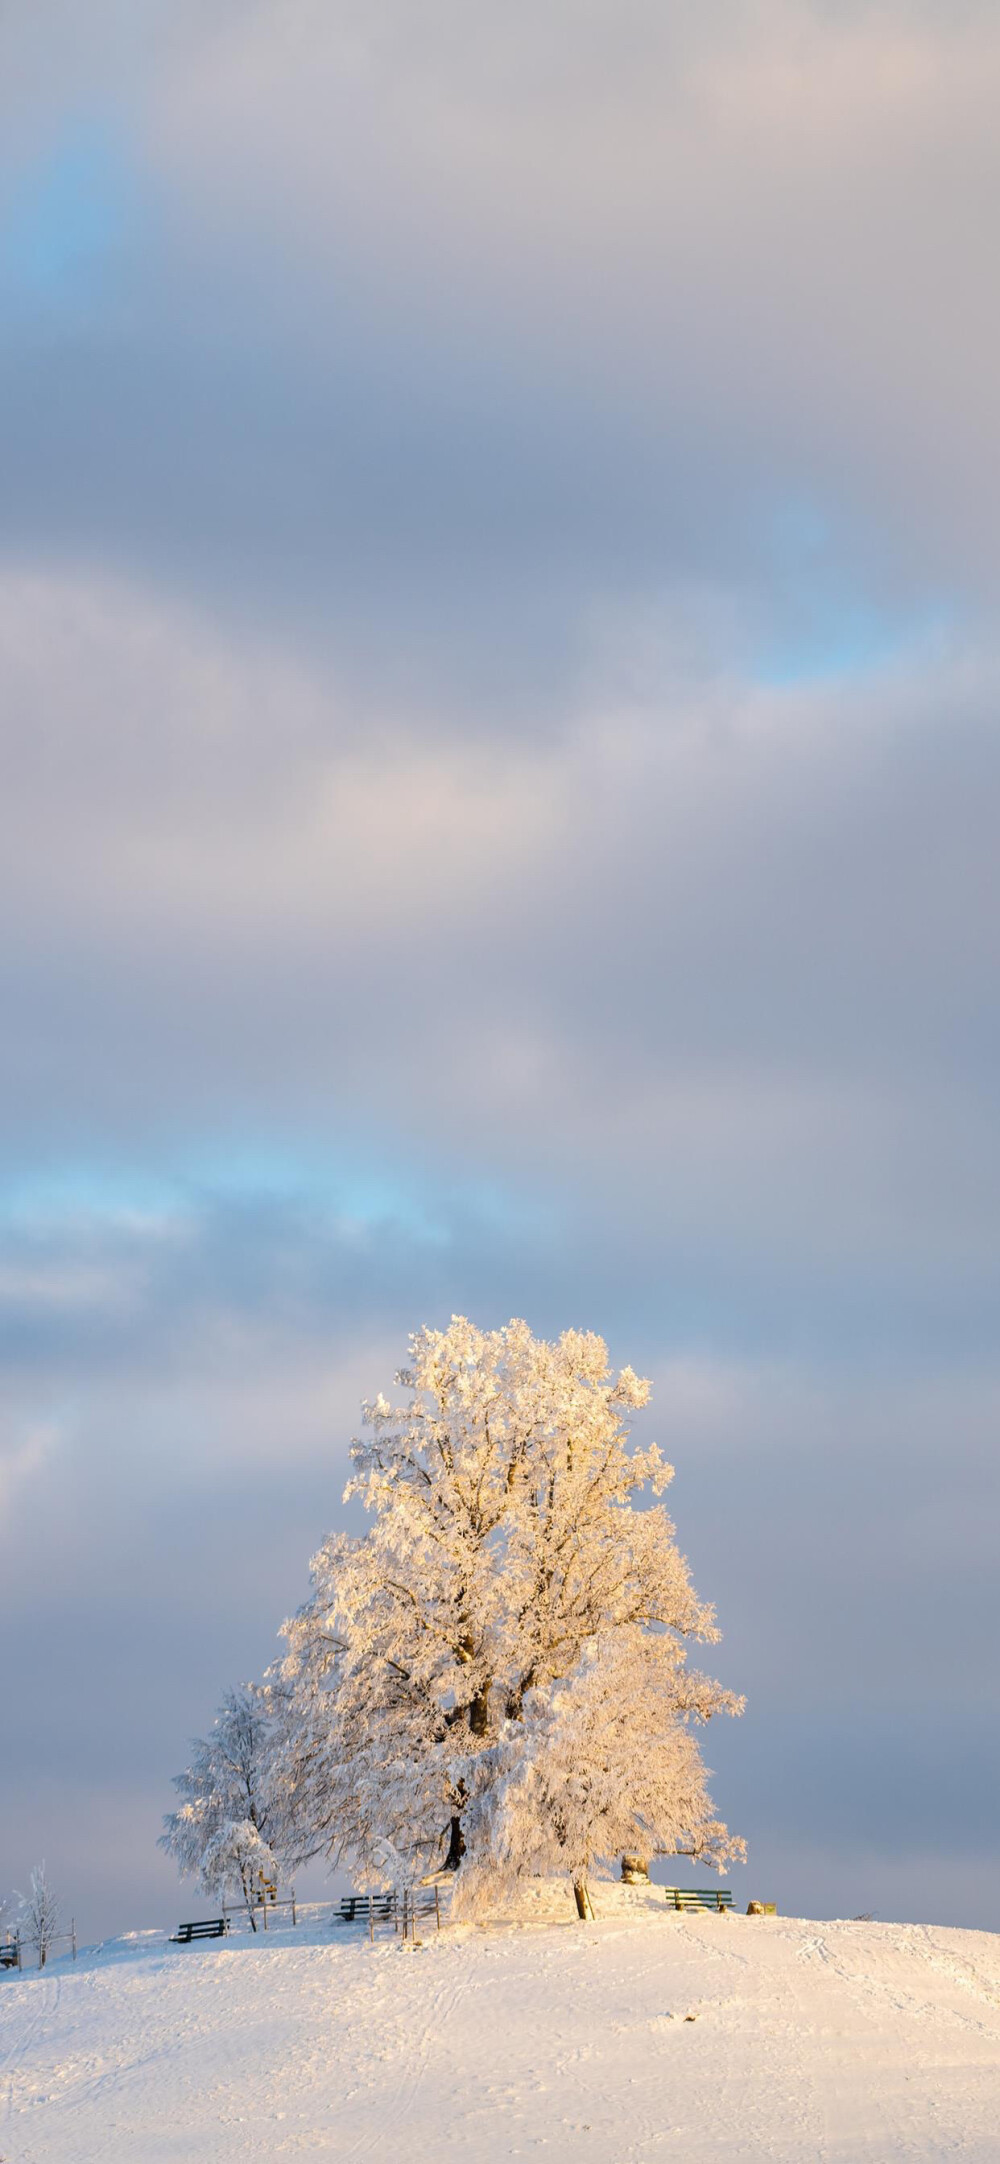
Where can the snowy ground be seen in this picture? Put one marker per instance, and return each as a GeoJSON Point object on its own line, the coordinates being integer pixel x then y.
{"type": "Point", "coordinates": [812, 2042]}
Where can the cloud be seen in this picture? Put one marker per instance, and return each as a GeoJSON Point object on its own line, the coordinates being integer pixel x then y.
{"type": "Point", "coordinates": [607, 211]}
{"type": "Point", "coordinates": [481, 329]}
{"type": "Point", "coordinates": [717, 952]}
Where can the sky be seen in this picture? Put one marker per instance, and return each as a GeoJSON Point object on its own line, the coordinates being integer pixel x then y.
{"type": "Point", "coordinates": [499, 668]}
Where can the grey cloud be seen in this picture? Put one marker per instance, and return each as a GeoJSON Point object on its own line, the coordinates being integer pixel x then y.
{"type": "Point", "coordinates": [725, 964]}
{"type": "Point", "coordinates": [418, 332]}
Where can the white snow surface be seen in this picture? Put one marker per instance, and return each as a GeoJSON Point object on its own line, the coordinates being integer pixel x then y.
{"type": "Point", "coordinates": [532, 2034]}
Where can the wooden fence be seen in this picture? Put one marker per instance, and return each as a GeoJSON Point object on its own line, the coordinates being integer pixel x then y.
{"type": "Point", "coordinates": [13, 1944]}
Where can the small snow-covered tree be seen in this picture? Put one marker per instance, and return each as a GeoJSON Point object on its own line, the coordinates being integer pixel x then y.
{"type": "Point", "coordinates": [238, 1855]}
{"type": "Point", "coordinates": [602, 1760]}
{"type": "Point", "coordinates": [40, 1914]}
{"type": "Point", "coordinates": [229, 1821]}
{"type": "Point", "coordinates": [505, 1538]}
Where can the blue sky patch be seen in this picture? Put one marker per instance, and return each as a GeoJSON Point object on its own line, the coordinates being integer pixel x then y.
{"type": "Point", "coordinates": [66, 214]}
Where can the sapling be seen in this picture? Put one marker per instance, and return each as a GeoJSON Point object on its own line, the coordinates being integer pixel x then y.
{"type": "Point", "coordinates": [40, 1914]}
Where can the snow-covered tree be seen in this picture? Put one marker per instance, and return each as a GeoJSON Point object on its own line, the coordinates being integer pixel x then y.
{"type": "Point", "coordinates": [238, 1855]}
{"type": "Point", "coordinates": [505, 1539]}
{"type": "Point", "coordinates": [229, 1820]}
{"type": "Point", "coordinates": [40, 1914]}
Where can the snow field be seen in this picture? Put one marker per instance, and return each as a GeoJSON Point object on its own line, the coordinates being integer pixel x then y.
{"type": "Point", "coordinates": [833, 2041]}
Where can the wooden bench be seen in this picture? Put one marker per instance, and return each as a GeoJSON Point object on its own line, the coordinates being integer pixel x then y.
{"type": "Point", "coordinates": [10, 1955]}
{"type": "Point", "coordinates": [213, 1927]}
{"type": "Point", "coordinates": [359, 1908]}
{"type": "Point", "coordinates": [699, 1897]}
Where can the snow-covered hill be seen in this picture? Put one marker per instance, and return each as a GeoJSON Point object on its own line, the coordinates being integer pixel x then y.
{"type": "Point", "coordinates": [810, 2041]}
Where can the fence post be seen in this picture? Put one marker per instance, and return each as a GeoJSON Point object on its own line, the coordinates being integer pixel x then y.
{"type": "Point", "coordinates": [72, 1926]}
{"type": "Point", "coordinates": [264, 1907]}
{"type": "Point", "coordinates": [293, 1908]}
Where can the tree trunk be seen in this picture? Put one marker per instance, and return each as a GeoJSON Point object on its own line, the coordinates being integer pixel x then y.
{"type": "Point", "coordinates": [582, 1897]}
{"type": "Point", "coordinates": [248, 1898]}
{"type": "Point", "coordinates": [456, 1846]}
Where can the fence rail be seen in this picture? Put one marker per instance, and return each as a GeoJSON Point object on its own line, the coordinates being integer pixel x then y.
{"type": "Point", "coordinates": [401, 1906]}
{"type": "Point", "coordinates": [261, 1904]}
{"type": "Point", "coordinates": [13, 1944]}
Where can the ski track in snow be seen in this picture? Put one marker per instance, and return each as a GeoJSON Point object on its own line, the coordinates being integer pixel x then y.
{"type": "Point", "coordinates": [835, 2043]}
{"type": "Point", "coordinates": [51, 1985]}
